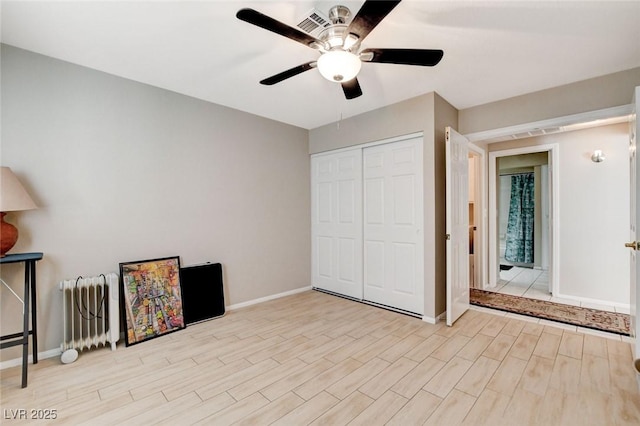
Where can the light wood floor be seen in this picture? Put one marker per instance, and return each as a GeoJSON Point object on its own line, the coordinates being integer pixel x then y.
{"type": "Point", "coordinates": [314, 358]}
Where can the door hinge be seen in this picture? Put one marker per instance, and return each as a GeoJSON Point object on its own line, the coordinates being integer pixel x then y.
{"type": "Point", "coordinates": [448, 237]}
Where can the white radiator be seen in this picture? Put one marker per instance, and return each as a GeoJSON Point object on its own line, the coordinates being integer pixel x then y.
{"type": "Point", "coordinates": [91, 312]}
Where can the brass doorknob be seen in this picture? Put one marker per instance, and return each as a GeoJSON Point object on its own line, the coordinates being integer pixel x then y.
{"type": "Point", "coordinates": [632, 245]}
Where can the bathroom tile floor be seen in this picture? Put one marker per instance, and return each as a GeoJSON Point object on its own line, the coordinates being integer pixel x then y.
{"type": "Point", "coordinates": [534, 284]}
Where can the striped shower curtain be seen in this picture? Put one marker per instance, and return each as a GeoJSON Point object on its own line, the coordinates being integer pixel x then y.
{"type": "Point", "coordinates": [519, 244]}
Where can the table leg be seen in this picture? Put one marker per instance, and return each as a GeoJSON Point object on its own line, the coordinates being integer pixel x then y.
{"type": "Point", "coordinates": [34, 312]}
{"type": "Point", "coordinates": [25, 325]}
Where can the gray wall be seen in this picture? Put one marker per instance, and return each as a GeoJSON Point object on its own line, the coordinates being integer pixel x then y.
{"type": "Point", "coordinates": [588, 95]}
{"type": "Point", "coordinates": [123, 171]}
{"type": "Point", "coordinates": [403, 118]}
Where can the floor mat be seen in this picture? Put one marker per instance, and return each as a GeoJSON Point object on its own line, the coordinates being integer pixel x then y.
{"type": "Point", "coordinates": [611, 322]}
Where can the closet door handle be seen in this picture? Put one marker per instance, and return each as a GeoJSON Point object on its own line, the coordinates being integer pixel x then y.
{"type": "Point", "coordinates": [633, 245]}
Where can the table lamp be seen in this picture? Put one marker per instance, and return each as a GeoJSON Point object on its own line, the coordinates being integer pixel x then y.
{"type": "Point", "coordinates": [13, 197]}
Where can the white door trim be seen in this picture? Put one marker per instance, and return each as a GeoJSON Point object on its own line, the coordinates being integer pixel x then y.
{"type": "Point", "coordinates": [634, 284]}
{"type": "Point", "coordinates": [369, 144]}
{"type": "Point", "coordinates": [554, 161]}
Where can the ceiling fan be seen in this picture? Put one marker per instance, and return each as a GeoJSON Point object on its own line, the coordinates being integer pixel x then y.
{"type": "Point", "coordinates": [339, 43]}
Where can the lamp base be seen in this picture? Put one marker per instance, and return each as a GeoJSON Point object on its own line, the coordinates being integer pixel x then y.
{"type": "Point", "coordinates": [8, 235]}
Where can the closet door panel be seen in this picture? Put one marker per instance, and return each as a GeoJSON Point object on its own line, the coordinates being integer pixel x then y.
{"type": "Point", "coordinates": [347, 267]}
{"type": "Point", "coordinates": [374, 212]}
{"type": "Point", "coordinates": [324, 256]}
{"type": "Point", "coordinates": [336, 222]}
{"type": "Point", "coordinates": [346, 202]}
{"type": "Point", "coordinates": [404, 208]}
{"type": "Point", "coordinates": [393, 240]}
{"type": "Point", "coordinates": [404, 261]}
{"type": "Point", "coordinates": [374, 264]}
{"type": "Point", "coordinates": [323, 204]}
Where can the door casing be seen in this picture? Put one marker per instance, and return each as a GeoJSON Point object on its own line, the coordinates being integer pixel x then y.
{"type": "Point", "coordinates": [554, 190]}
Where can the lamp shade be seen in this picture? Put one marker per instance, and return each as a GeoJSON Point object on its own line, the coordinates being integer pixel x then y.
{"type": "Point", "coordinates": [339, 66]}
{"type": "Point", "coordinates": [13, 196]}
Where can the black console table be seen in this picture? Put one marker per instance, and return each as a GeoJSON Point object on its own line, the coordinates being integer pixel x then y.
{"type": "Point", "coordinates": [29, 260]}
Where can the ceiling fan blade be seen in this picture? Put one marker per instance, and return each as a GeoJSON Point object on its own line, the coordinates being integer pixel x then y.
{"type": "Point", "coordinates": [423, 57]}
{"type": "Point", "coordinates": [288, 73]}
{"type": "Point", "coordinates": [263, 21]}
{"type": "Point", "coordinates": [369, 16]}
{"type": "Point", "coordinates": [351, 89]}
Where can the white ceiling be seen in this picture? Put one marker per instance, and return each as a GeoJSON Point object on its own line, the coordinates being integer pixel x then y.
{"type": "Point", "coordinates": [493, 49]}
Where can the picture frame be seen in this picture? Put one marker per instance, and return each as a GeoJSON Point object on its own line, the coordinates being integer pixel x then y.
{"type": "Point", "coordinates": [151, 298]}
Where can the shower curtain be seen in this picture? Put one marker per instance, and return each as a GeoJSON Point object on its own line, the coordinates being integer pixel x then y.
{"type": "Point", "coordinates": [519, 240]}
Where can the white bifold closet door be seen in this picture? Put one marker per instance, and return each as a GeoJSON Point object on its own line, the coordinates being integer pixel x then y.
{"type": "Point", "coordinates": [336, 222]}
{"type": "Point", "coordinates": [393, 221]}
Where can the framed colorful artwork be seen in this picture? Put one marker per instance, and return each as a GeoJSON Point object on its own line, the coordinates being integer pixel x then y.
{"type": "Point", "coordinates": [151, 298]}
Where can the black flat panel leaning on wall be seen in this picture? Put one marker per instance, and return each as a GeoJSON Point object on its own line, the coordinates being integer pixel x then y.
{"type": "Point", "coordinates": [202, 292]}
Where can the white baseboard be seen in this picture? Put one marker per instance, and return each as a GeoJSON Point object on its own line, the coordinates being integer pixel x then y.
{"type": "Point", "coordinates": [267, 298]}
{"type": "Point", "coordinates": [41, 355]}
{"type": "Point", "coordinates": [593, 301]}
{"type": "Point", "coordinates": [432, 320]}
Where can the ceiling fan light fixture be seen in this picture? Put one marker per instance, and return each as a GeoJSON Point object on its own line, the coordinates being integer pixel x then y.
{"type": "Point", "coordinates": [339, 66]}
{"type": "Point", "coordinates": [338, 41]}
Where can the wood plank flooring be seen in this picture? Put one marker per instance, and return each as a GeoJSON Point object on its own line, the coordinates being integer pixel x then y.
{"type": "Point", "coordinates": [314, 358]}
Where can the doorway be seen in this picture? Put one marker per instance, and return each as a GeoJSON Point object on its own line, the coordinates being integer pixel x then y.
{"type": "Point", "coordinates": [523, 225]}
{"type": "Point", "coordinates": [522, 233]}
{"type": "Point", "coordinates": [578, 268]}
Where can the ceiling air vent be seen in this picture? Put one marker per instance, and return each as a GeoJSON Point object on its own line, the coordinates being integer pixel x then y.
{"type": "Point", "coordinates": [522, 135]}
{"type": "Point", "coordinates": [314, 22]}
{"type": "Point", "coordinates": [552, 130]}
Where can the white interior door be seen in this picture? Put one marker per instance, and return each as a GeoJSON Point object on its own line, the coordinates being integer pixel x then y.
{"type": "Point", "coordinates": [457, 228]}
{"type": "Point", "coordinates": [634, 219]}
{"type": "Point", "coordinates": [393, 219]}
{"type": "Point", "coordinates": [336, 222]}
